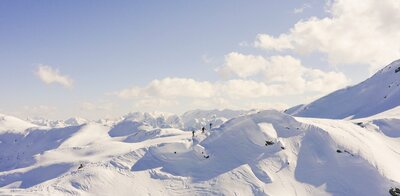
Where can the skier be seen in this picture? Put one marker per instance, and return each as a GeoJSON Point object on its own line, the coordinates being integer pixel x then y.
{"type": "Point", "coordinates": [193, 133]}
{"type": "Point", "coordinates": [80, 166]}
{"type": "Point", "coordinates": [203, 129]}
{"type": "Point", "coordinates": [210, 125]}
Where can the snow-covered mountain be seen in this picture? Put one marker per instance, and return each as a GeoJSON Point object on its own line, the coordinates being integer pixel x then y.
{"type": "Point", "coordinates": [12, 124]}
{"type": "Point", "coordinates": [356, 152]}
{"type": "Point", "coordinates": [155, 119]}
{"type": "Point", "coordinates": [375, 95]}
{"type": "Point", "coordinates": [73, 121]}
{"type": "Point", "coordinates": [262, 153]}
{"type": "Point", "coordinates": [191, 120]}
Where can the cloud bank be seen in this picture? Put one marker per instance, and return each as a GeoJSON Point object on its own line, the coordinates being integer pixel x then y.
{"type": "Point", "coordinates": [252, 80]}
{"type": "Point", "coordinates": [356, 32]}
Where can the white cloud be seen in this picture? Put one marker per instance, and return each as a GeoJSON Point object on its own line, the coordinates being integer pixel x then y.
{"type": "Point", "coordinates": [189, 88]}
{"type": "Point", "coordinates": [283, 69]}
{"type": "Point", "coordinates": [155, 103]}
{"type": "Point", "coordinates": [171, 87]}
{"type": "Point", "coordinates": [324, 82]}
{"type": "Point", "coordinates": [49, 75]}
{"type": "Point", "coordinates": [269, 42]}
{"type": "Point", "coordinates": [280, 76]}
{"type": "Point", "coordinates": [241, 65]}
{"type": "Point", "coordinates": [356, 32]}
{"type": "Point", "coordinates": [239, 88]}
{"type": "Point", "coordinates": [212, 103]}
{"type": "Point", "coordinates": [283, 75]}
{"type": "Point", "coordinates": [253, 79]}
{"type": "Point", "coordinates": [301, 9]}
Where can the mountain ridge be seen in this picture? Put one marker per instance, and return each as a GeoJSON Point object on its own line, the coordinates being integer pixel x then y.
{"type": "Point", "coordinates": [376, 94]}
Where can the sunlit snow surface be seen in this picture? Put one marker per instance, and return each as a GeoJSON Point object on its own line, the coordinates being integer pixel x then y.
{"type": "Point", "coordinates": [377, 94]}
{"type": "Point", "coordinates": [355, 152]}
{"type": "Point", "coordinates": [168, 161]}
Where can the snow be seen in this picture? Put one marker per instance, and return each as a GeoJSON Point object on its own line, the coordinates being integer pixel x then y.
{"type": "Point", "coordinates": [12, 124]}
{"type": "Point", "coordinates": [196, 119]}
{"type": "Point", "coordinates": [189, 121]}
{"type": "Point", "coordinates": [377, 94]}
{"type": "Point", "coordinates": [73, 121]}
{"type": "Point", "coordinates": [155, 119]}
{"type": "Point", "coordinates": [229, 159]}
{"type": "Point", "coordinates": [350, 146]}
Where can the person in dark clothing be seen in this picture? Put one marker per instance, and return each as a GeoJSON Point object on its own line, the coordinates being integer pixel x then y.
{"type": "Point", "coordinates": [80, 166]}
{"type": "Point", "coordinates": [203, 129]}
{"type": "Point", "coordinates": [267, 143]}
{"type": "Point", "coordinates": [193, 133]}
{"type": "Point", "coordinates": [210, 126]}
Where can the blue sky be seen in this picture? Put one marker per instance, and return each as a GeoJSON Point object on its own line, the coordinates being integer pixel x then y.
{"type": "Point", "coordinates": [106, 47]}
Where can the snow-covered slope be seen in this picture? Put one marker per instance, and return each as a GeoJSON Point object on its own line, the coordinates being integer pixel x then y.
{"type": "Point", "coordinates": [375, 95]}
{"type": "Point", "coordinates": [12, 124]}
{"type": "Point", "coordinates": [301, 158]}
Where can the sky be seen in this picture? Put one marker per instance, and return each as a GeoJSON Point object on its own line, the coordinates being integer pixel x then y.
{"type": "Point", "coordinates": [102, 59]}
